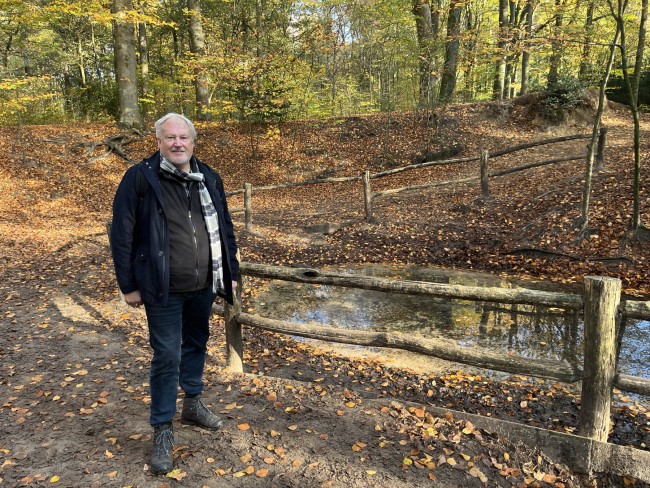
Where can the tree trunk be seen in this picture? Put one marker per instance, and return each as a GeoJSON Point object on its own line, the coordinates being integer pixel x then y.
{"type": "Point", "coordinates": [556, 53]}
{"type": "Point", "coordinates": [197, 47]}
{"type": "Point", "coordinates": [525, 56]}
{"type": "Point", "coordinates": [143, 50]}
{"type": "Point", "coordinates": [586, 194]}
{"type": "Point", "coordinates": [469, 48]}
{"type": "Point", "coordinates": [511, 57]}
{"type": "Point", "coordinates": [636, 77]}
{"type": "Point", "coordinates": [585, 65]}
{"type": "Point", "coordinates": [632, 86]}
{"type": "Point", "coordinates": [500, 68]}
{"type": "Point", "coordinates": [448, 81]}
{"type": "Point", "coordinates": [82, 62]}
{"type": "Point", "coordinates": [126, 66]}
{"type": "Point", "coordinates": [426, 35]}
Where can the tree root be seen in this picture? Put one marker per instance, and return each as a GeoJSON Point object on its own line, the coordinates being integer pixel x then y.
{"type": "Point", "coordinates": [639, 235]}
{"type": "Point", "coordinates": [114, 145]}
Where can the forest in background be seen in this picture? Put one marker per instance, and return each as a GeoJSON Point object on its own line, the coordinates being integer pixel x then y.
{"type": "Point", "coordinates": [266, 60]}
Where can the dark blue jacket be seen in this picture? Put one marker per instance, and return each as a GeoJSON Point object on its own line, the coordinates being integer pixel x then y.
{"type": "Point", "coordinates": [140, 236]}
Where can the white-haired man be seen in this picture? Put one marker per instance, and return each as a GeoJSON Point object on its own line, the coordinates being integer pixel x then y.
{"type": "Point", "coordinates": [174, 251]}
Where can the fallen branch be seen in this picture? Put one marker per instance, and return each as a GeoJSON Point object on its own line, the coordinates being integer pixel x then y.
{"type": "Point", "coordinates": [544, 252]}
{"type": "Point", "coordinates": [574, 257]}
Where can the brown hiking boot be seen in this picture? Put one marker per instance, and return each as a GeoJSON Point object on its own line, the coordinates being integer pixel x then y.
{"type": "Point", "coordinates": [196, 413]}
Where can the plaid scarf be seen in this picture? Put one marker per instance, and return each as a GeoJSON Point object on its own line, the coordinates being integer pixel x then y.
{"type": "Point", "coordinates": [211, 221]}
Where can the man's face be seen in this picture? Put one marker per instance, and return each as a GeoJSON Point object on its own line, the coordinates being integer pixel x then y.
{"type": "Point", "coordinates": [175, 143]}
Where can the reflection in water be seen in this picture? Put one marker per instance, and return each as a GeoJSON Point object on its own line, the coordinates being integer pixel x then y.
{"type": "Point", "coordinates": [523, 330]}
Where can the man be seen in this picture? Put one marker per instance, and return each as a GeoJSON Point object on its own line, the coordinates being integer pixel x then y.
{"type": "Point", "coordinates": [174, 251]}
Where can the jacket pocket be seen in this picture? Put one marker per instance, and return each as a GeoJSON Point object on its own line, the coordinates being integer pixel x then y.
{"type": "Point", "coordinates": [141, 270]}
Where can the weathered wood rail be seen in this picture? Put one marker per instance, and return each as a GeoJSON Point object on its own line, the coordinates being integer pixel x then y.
{"type": "Point", "coordinates": [366, 177]}
{"type": "Point", "coordinates": [600, 303]}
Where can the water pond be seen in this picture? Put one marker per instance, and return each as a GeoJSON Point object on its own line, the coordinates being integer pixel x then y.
{"type": "Point", "coordinates": [524, 330]}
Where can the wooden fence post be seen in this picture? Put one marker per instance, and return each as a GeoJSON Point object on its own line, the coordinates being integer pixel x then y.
{"type": "Point", "coordinates": [248, 206]}
{"type": "Point", "coordinates": [234, 342]}
{"type": "Point", "coordinates": [602, 296]}
{"type": "Point", "coordinates": [367, 195]}
{"type": "Point", "coordinates": [600, 151]}
{"type": "Point", "coordinates": [484, 174]}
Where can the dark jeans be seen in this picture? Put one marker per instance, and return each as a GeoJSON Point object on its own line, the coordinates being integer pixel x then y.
{"type": "Point", "coordinates": [178, 335]}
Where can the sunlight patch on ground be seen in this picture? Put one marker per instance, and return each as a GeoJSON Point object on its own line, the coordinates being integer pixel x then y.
{"type": "Point", "coordinates": [70, 309]}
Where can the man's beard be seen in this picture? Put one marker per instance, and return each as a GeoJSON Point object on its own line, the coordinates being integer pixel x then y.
{"type": "Point", "coordinates": [178, 159]}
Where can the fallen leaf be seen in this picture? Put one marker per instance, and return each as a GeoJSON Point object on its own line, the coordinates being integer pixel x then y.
{"type": "Point", "coordinates": [176, 474]}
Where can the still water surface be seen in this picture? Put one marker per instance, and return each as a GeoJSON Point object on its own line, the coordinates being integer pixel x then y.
{"type": "Point", "coordinates": [524, 330]}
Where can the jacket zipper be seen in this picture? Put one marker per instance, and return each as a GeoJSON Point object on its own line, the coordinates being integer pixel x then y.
{"type": "Point", "coordinates": [194, 238]}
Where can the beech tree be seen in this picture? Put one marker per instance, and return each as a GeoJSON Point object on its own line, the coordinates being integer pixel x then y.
{"type": "Point", "coordinates": [527, 33]}
{"type": "Point", "coordinates": [500, 67]}
{"type": "Point", "coordinates": [556, 52]}
{"type": "Point", "coordinates": [312, 58]}
{"type": "Point", "coordinates": [125, 66]}
{"type": "Point", "coordinates": [197, 47]}
{"type": "Point", "coordinates": [449, 72]}
{"type": "Point", "coordinates": [427, 26]}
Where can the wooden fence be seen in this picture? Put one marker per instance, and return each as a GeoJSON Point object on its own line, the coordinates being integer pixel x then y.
{"type": "Point", "coordinates": [600, 303]}
{"type": "Point", "coordinates": [366, 177]}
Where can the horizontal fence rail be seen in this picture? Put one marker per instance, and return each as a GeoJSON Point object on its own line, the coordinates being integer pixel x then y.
{"type": "Point", "coordinates": [502, 295]}
{"type": "Point", "coordinates": [636, 309]}
{"type": "Point", "coordinates": [366, 177]}
{"type": "Point", "coordinates": [555, 140]}
{"type": "Point", "coordinates": [447, 350]}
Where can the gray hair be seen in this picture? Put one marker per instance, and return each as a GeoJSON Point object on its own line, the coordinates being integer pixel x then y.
{"type": "Point", "coordinates": [161, 121]}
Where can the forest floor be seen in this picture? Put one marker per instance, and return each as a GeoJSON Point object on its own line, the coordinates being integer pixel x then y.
{"type": "Point", "coordinates": [74, 359]}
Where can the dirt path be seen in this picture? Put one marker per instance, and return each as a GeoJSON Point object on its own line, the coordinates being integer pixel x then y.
{"type": "Point", "coordinates": [74, 411]}
{"type": "Point", "coordinates": [74, 361]}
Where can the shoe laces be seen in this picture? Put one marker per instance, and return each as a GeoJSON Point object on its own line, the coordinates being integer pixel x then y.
{"type": "Point", "coordinates": [165, 440]}
{"type": "Point", "coordinates": [201, 409]}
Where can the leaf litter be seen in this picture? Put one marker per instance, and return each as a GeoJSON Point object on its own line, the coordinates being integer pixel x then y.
{"type": "Point", "coordinates": [74, 366]}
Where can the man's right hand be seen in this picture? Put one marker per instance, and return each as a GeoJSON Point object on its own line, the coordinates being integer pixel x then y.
{"type": "Point", "coordinates": [133, 299]}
